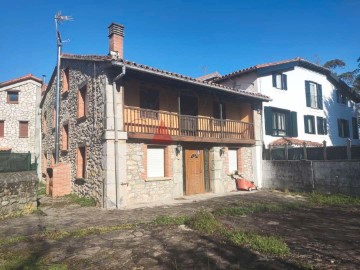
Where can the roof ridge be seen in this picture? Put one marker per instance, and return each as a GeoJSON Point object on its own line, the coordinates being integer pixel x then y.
{"type": "Point", "coordinates": [19, 79]}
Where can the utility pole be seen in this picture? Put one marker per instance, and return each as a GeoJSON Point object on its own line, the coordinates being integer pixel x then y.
{"type": "Point", "coordinates": [58, 18]}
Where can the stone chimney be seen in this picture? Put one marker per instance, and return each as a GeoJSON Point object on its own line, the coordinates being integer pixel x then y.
{"type": "Point", "coordinates": [116, 39]}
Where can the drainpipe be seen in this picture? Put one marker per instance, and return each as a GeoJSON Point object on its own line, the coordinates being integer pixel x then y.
{"type": "Point", "coordinates": [118, 77]}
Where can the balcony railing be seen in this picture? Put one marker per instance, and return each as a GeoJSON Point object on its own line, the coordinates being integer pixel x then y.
{"type": "Point", "coordinates": [143, 121]}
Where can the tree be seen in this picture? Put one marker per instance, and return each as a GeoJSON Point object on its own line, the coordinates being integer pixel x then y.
{"type": "Point", "coordinates": [352, 78]}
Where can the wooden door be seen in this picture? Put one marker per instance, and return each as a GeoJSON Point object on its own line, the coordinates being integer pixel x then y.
{"type": "Point", "coordinates": [194, 172]}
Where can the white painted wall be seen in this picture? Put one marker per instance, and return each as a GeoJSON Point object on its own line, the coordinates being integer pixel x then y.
{"type": "Point", "coordinates": [294, 99]}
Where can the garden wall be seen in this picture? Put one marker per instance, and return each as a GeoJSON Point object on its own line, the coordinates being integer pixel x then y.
{"type": "Point", "coordinates": [17, 192]}
{"type": "Point", "coordinates": [319, 176]}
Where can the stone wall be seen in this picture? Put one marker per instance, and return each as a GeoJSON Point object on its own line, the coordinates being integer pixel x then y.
{"type": "Point", "coordinates": [320, 176]}
{"type": "Point", "coordinates": [140, 189]}
{"type": "Point", "coordinates": [86, 132]}
{"type": "Point", "coordinates": [11, 114]}
{"type": "Point", "coordinates": [17, 192]}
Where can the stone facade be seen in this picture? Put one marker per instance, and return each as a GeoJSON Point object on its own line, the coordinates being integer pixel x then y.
{"type": "Point", "coordinates": [26, 109]}
{"type": "Point", "coordinates": [17, 192]}
{"type": "Point", "coordinates": [92, 76]}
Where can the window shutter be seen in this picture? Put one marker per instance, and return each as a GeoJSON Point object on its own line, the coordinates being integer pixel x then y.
{"type": "Point", "coordinates": [319, 125]}
{"type": "Point", "coordinates": [268, 120]}
{"type": "Point", "coordinates": [155, 162]}
{"type": "Point", "coordinates": [274, 80]}
{"type": "Point", "coordinates": [347, 131]}
{"type": "Point", "coordinates": [306, 124]}
{"type": "Point", "coordinates": [293, 124]}
{"type": "Point", "coordinates": [319, 96]}
{"type": "Point", "coordinates": [23, 129]}
{"type": "Point", "coordinates": [355, 128]}
{"type": "Point", "coordinates": [339, 128]}
{"type": "Point", "coordinates": [1, 128]}
{"type": "Point", "coordinates": [307, 93]}
{"type": "Point", "coordinates": [232, 160]}
{"type": "Point", "coordinates": [337, 96]}
{"type": "Point", "coordinates": [313, 124]}
{"type": "Point", "coordinates": [284, 81]}
{"type": "Point", "coordinates": [325, 126]}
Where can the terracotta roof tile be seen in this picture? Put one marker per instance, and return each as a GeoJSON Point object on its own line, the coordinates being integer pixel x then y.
{"type": "Point", "coordinates": [270, 64]}
{"type": "Point", "coordinates": [296, 142]}
{"type": "Point", "coordinates": [20, 79]}
{"type": "Point", "coordinates": [167, 73]}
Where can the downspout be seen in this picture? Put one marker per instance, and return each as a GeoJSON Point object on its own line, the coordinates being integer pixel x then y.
{"type": "Point", "coordinates": [118, 77]}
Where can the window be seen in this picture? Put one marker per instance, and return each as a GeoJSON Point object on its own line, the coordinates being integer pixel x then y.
{"type": "Point", "coordinates": [321, 125]}
{"type": "Point", "coordinates": [81, 163]}
{"type": "Point", "coordinates": [44, 123]}
{"type": "Point", "coordinates": [355, 128]}
{"type": "Point", "coordinates": [23, 129]}
{"type": "Point", "coordinates": [279, 81]}
{"type": "Point", "coordinates": [343, 128]}
{"type": "Point", "coordinates": [313, 93]}
{"type": "Point", "coordinates": [13, 97]}
{"type": "Point", "coordinates": [155, 162]}
{"type": "Point", "coordinates": [233, 160]}
{"type": "Point", "coordinates": [279, 122]}
{"type": "Point", "coordinates": [341, 97]}
{"type": "Point", "coordinates": [82, 102]}
{"type": "Point", "coordinates": [216, 110]}
{"type": "Point", "coordinates": [309, 122]}
{"type": "Point", "coordinates": [65, 137]}
{"type": "Point", "coordinates": [65, 80]}
{"type": "Point", "coordinates": [2, 124]}
{"type": "Point", "coordinates": [149, 99]}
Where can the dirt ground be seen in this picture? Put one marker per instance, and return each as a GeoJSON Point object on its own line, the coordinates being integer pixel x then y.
{"type": "Point", "coordinates": [318, 237]}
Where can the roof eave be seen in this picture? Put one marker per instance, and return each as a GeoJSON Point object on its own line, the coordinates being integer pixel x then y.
{"type": "Point", "coordinates": [194, 82]}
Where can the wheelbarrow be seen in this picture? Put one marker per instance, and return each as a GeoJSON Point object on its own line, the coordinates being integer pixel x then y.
{"type": "Point", "coordinates": [242, 183]}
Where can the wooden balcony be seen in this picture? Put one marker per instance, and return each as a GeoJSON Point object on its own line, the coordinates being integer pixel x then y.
{"type": "Point", "coordinates": [146, 124]}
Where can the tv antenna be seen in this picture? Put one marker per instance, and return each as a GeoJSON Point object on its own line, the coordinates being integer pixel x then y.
{"type": "Point", "coordinates": [58, 19]}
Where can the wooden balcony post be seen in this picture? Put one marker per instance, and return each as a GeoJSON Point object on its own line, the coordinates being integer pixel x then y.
{"type": "Point", "coordinates": [324, 150]}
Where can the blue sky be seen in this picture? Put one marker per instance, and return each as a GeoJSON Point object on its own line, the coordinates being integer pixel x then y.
{"type": "Point", "coordinates": [188, 37]}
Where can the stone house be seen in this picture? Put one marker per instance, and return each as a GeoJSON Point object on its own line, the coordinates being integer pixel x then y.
{"type": "Point", "coordinates": [131, 133]}
{"type": "Point", "coordinates": [20, 115]}
{"type": "Point", "coordinates": [309, 103]}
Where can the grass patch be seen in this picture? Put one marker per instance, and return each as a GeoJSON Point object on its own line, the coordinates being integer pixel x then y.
{"type": "Point", "coordinates": [169, 220]}
{"type": "Point", "coordinates": [336, 199]}
{"type": "Point", "coordinates": [82, 201]}
{"type": "Point", "coordinates": [270, 245]}
{"type": "Point", "coordinates": [255, 208]}
{"type": "Point", "coordinates": [41, 189]}
{"type": "Point", "coordinates": [12, 240]}
{"type": "Point", "coordinates": [58, 235]}
{"type": "Point", "coordinates": [205, 222]}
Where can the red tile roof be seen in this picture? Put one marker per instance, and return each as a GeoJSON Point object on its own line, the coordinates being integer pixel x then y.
{"type": "Point", "coordinates": [253, 68]}
{"type": "Point", "coordinates": [206, 77]}
{"type": "Point", "coordinates": [292, 141]}
{"type": "Point", "coordinates": [20, 79]}
{"type": "Point", "coordinates": [145, 68]}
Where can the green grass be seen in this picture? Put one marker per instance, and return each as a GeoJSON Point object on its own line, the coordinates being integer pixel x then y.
{"type": "Point", "coordinates": [41, 189]}
{"type": "Point", "coordinates": [270, 245]}
{"type": "Point", "coordinates": [169, 220]}
{"type": "Point", "coordinates": [256, 208]}
{"type": "Point", "coordinates": [82, 201]}
{"type": "Point", "coordinates": [336, 199]}
{"type": "Point", "coordinates": [206, 222]}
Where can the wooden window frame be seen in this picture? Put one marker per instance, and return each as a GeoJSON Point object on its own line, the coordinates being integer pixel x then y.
{"type": "Point", "coordinates": [82, 98]}
{"type": "Point", "coordinates": [65, 81]}
{"type": "Point", "coordinates": [13, 92]}
{"type": "Point", "coordinates": [21, 135]}
{"type": "Point", "coordinates": [65, 137]}
{"type": "Point", "coordinates": [2, 128]}
{"type": "Point", "coordinates": [81, 173]}
{"type": "Point", "coordinates": [309, 119]}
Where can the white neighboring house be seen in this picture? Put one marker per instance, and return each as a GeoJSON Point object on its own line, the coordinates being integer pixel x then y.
{"type": "Point", "coordinates": [309, 103]}
{"type": "Point", "coordinates": [20, 129]}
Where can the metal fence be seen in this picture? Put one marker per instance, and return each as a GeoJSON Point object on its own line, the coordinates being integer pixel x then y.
{"type": "Point", "coordinates": [348, 152]}
{"type": "Point", "coordinates": [16, 162]}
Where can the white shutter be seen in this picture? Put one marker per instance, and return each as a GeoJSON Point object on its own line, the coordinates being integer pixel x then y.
{"type": "Point", "coordinates": [232, 160]}
{"type": "Point", "coordinates": [155, 162]}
